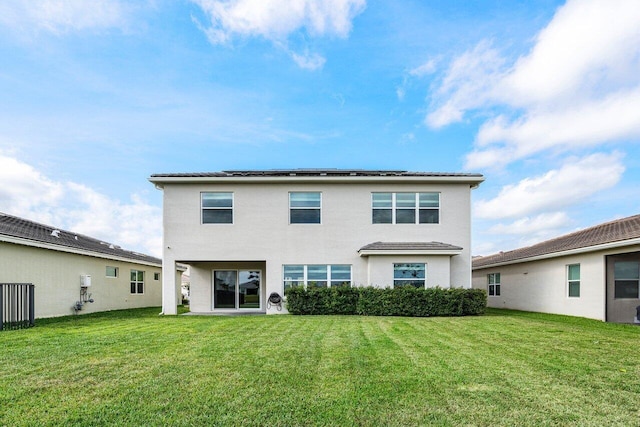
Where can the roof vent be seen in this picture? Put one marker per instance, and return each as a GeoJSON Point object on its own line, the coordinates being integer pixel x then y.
{"type": "Point", "coordinates": [55, 233]}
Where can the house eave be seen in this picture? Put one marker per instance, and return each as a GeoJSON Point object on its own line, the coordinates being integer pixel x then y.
{"type": "Point", "coordinates": [373, 252]}
{"type": "Point", "coordinates": [586, 249]}
{"type": "Point", "coordinates": [76, 251]}
{"type": "Point", "coordinates": [161, 181]}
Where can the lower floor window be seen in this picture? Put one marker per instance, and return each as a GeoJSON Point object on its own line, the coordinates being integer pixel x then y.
{"type": "Point", "coordinates": [414, 274]}
{"type": "Point", "coordinates": [316, 275]}
{"type": "Point", "coordinates": [236, 289]}
{"type": "Point", "coordinates": [627, 279]}
{"type": "Point", "coordinates": [112, 271]}
{"type": "Point", "coordinates": [573, 280]}
{"type": "Point", "coordinates": [493, 281]}
{"type": "Point", "coordinates": [137, 282]}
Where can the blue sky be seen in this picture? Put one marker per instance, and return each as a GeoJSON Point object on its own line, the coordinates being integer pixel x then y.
{"type": "Point", "coordinates": [540, 96]}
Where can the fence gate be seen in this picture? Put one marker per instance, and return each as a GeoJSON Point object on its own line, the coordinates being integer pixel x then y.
{"type": "Point", "coordinates": [16, 306]}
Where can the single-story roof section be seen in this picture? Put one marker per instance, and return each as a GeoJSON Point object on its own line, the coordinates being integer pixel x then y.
{"type": "Point", "coordinates": [621, 232]}
{"type": "Point", "coordinates": [409, 248]}
{"type": "Point", "coordinates": [22, 231]}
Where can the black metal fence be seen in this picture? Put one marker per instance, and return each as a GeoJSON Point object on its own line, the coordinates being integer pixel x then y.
{"type": "Point", "coordinates": [16, 306]}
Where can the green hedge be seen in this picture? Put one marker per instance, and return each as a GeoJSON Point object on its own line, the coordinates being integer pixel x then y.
{"type": "Point", "coordinates": [370, 301]}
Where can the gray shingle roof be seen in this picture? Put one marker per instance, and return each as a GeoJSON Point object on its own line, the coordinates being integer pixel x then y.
{"type": "Point", "coordinates": [609, 232]}
{"type": "Point", "coordinates": [410, 246]}
{"type": "Point", "coordinates": [313, 173]}
{"type": "Point", "coordinates": [22, 228]}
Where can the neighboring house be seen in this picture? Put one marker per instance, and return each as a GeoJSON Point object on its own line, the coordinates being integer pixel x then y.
{"type": "Point", "coordinates": [592, 273]}
{"type": "Point", "coordinates": [248, 234]}
{"type": "Point", "coordinates": [68, 267]}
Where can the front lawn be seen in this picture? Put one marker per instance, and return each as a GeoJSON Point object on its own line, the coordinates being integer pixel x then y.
{"type": "Point", "coordinates": [138, 368]}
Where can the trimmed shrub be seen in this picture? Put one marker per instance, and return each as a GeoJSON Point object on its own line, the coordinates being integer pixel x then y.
{"type": "Point", "coordinates": [370, 301]}
{"type": "Point", "coordinates": [338, 300]}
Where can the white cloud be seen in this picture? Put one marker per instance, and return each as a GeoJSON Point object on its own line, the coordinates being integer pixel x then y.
{"type": "Point", "coordinates": [574, 182]}
{"type": "Point", "coordinates": [578, 86]}
{"type": "Point", "coordinates": [308, 61]}
{"type": "Point", "coordinates": [276, 20]}
{"type": "Point", "coordinates": [24, 188]}
{"type": "Point", "coordinates": [427, 68]}
{"type": "Point", "coordinates": [61, 16]}
{"type": "Point", "coordinates": [468, 83]}
{"type": "Point", "coordinates": [536, 225]}
{"type": "Point", "coordinates": [529, 230]}
{"type": "Point", "coordinates": [134, 225]}
{"type": "Point", "coordinates": [588, 43]}
{"type": "Point", "coordinates": [616, 116]}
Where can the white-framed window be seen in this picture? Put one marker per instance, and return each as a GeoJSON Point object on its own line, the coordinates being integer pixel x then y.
{"type": "Point", "coordinates": [573, 280]}
{"type": "Point", "coordinates": [410, 274]}
{"type": "Point", "coordinates": [493, 283]}
{"type": "Point", "coordinates": [305, 207]}
{"type": "Point", "coordinates": [316, 275]}
{"type": "Point", "coordinates": [626, 276]}
{"type": "Point", "coordinates": [156, 276]}
{"type": "Point", "coordinates": [111, 271]}
{"type": "Point", "coordinates": [217, 207]}
{"type": "Point", "coordinates": [137, 282]}
{"type": "Point", "coordinates": [405, 208]}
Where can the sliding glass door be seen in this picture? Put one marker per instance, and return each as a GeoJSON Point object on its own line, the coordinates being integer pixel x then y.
{"type": "Point", "coordinates": [236, 289]}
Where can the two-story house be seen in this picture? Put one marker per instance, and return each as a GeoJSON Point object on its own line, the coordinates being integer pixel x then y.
{"type": "Point", "coordinates": [248, 234]}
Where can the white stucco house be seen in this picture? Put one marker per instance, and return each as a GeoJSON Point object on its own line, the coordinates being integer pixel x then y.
{"type": "Point", "coordinates": [592, 273]}
{"type": "Point", "coordinates": [68, 268]}
{"type": "Point", "coordinates": [248, 234]}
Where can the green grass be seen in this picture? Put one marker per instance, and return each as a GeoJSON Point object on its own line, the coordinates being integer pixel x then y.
{"type": "Point", "coordinates": [138, 368]}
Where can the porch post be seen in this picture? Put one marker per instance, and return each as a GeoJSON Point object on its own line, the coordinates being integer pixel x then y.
{"type": "Point", "coordinates": [169, 291]}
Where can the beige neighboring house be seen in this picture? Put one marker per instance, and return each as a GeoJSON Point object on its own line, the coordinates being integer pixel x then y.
{"type": "Point", "coordinates": [249, 234]}
{"type": "Point", "coordinates": [69, 268]}
{"type": "Point", "coordinates": [592, 273]}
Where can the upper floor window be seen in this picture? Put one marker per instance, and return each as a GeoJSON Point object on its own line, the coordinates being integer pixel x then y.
{"type": "Point", "coordinates": [156, 276]}
{"type": "Point", "coordinates": [405, 208]}
{"type": "Point", "coordinates": [573, 280]}
{"type": "Point", "coordinates": [414, 274]}
{"type": "Point", "coordinates": [493, 281]}
{"type": "Point", "coordinates": [137, 282]}
{"type": "Point", "coordinates": [318, 276]}
{"type": "Point", "coordinates": [111, 271]}
{"type": "Point", "coordinates": [304, 208]}
{"type": "Point", "coordinates": [217, 208]}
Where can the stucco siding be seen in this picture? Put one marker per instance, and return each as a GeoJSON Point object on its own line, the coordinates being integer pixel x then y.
{"type": "Point", "coordinates": [261, 232]}
{"type": "Point", "coordinates": [56, 276]}
{"type": "Point", "coordinates": [542, 286]}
